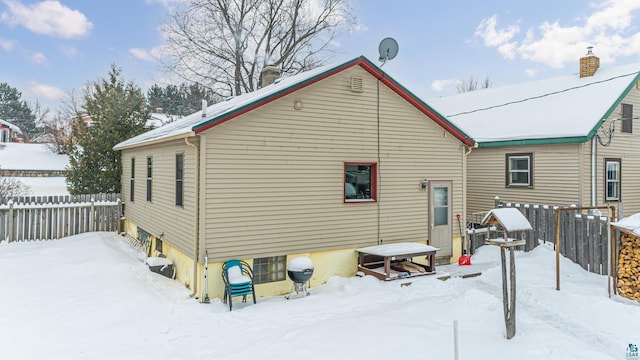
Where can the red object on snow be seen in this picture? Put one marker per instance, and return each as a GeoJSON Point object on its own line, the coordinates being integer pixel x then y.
{"type": "Point", "coordinates": [464, 260]}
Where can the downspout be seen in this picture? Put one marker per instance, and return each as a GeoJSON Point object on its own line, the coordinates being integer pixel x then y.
{"type": "Point", "coordinates": [466, 150]}
{"type": "Point", "coordinates": [196, 240]}
{"type": "Point", "coordinates": [594, 154]}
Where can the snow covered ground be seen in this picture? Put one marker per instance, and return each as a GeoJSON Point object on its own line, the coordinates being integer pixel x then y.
{"type": "Point", "coordinates": [92, 297]}
{"type": "Point", "coordinates": [21, 156]}
{"type": "Point", "coordinates": [45, 185]}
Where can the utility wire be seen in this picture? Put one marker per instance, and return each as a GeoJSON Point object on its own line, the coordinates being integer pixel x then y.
{"type": "Point", "coordinates": [542, 96]}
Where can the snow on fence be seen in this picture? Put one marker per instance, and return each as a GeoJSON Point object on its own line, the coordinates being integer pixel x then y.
{"type": "Point", "coordinates": [583, 238]}
{"type": "Point", "coordinates": [43, 219]}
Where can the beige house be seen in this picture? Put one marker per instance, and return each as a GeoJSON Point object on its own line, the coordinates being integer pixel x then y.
{"type": "Point", "coordinates": [566, 140]}
{"type": "Point", "coordinates": [317, 164]}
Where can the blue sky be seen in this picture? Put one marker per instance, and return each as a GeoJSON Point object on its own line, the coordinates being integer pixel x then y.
{"type": "Point", "coordinates": [48, 48]}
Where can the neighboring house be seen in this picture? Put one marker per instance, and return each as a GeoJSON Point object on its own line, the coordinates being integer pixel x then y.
{"type": "Point", "coordinates": [36, 166]}
{"type": "Point", "coordinates": [317, 164]}
{"type": "Point", "coordinates": [9, 132]}
{"type": "Point", "coordinates": [565, 140]}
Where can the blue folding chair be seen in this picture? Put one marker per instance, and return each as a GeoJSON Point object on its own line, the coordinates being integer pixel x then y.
{"type": "Point", "coordinates": [238, 281]}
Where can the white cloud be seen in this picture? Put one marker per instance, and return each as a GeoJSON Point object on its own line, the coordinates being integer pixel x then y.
{"type": "Point", "coordinates": [48, 17]}
{"type": "Point", "coordinates": [442, 85]}
{"type": "Point", "coordinates": [151, 55]}
{"type": "Point", "coordinates": [165, 3]}
{"type": "Point", "coordinates": [7, 45]}
{"type": "Point", "coordinates": [531, 72]}
{"type": "Point", "coordinates": [38, 58]}
{"type": "Point", "coordinates": [609, 28]}
{"type": "Point", "coordinates": [493, 37]}
{"type": "Point", "coordinates": [45, 91]}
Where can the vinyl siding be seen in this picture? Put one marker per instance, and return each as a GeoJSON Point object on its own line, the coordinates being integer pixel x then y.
{"type": "Point", "coordinates": [273, 180]}
{"type": "Point", "coordinates": [624, 146]}
{"type": "Point", "coordinates": [556, 176]}
{"type": "Point", "coordinates": [161, 215]}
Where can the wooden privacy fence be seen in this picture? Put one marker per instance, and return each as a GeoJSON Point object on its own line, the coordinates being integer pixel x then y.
{"type": "Point", "coordinates": [583, 238]}
{"type": "Point", "coordinates": [42, 219]}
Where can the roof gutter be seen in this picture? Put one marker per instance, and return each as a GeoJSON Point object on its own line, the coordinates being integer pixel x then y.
{"type": "Point", "coordinates": [156, 141]}
{"type": "Point", "coordinates": [196, 233]}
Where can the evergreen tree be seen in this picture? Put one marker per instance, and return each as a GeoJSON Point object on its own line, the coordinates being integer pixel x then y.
{"type": "Point", "coordinates": [179, 100]}
{"type": "Point", "coordinates": [16, 111]}
{"type": "Point", "coordinates": [118, 112]}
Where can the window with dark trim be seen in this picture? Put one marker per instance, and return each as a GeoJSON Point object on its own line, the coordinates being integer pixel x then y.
{"type": "Point", "coordinates": [627, 118]}
{"type": "Point", "coordinates": [149, 176]}
{"type": "Point", "coordinates": [179, 178]}
{"type": "Point", "coordinates": [132, 182]}
{"type": "Point", "coordinates": [519, 170]}
{"type": "Point", "coordinates": [269, 269]}
{"type": "Point", "coordinates": [159, 243]}
{"type": "Point", "coordinates": [360, 182]}
{"type": "Point", "coordinates": [612, 179]}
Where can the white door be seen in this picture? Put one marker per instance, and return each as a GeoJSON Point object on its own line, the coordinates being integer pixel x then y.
{"type": "Point", "coordinates": [440, 214]}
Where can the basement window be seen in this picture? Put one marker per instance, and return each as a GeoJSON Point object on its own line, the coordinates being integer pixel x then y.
{"type": "Point", "coordinates": [519, 170]}
{"type": "Point", "coordinates": [360, 182]}
{"type": "Point", "coordinates": [269, 269]}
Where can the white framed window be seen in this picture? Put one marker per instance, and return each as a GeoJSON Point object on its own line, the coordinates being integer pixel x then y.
{"type": "Point", "coordinates": [132, 181]}
{"type": "Point", "coordinates": [519, 170]}
{"type": "Point", "coordinates": [149, 176]}
{"type": "Point", "coordinates": [179, 179]}
{"type": "Point", "coordinates": [613, 177]}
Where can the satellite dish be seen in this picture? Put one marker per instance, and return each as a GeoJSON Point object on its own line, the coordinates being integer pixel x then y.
{"type": "Point", "coordinates": [388, 49]}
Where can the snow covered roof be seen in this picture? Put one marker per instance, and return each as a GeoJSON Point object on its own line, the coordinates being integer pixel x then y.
{"type": "Point", "coordinates": [21, 156]}
{"type": "Point", "coordinates": [630, 224]}
{"type": "Point", "coordinates": [11, 126]}
{"type": "Point", "coordinates": [226, 110]}
{"type": "Point", "coordinates": [561, 109]}
{"type": "Point", "coordinates": [511, 219]}
{"type": "Point", "coordinates": [158, 119]}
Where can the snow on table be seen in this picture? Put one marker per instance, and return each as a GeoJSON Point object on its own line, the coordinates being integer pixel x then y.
{"type": "Point", "coordinates": [397, 249]}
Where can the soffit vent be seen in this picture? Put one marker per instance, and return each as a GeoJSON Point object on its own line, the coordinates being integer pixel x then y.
{"type": "Point", "coordinates": [356, 84]}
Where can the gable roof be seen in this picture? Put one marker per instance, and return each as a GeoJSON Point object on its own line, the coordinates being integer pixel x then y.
{"type": "Point", "coordinates": [556, 110]}
{"type": "Point", "coordinates": [227, 110]}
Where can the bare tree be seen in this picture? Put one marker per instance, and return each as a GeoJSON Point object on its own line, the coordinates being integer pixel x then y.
{"type": "Point", "coordinates": [472, 84]}
{"type": "Point", "coordinates": [223, 44]}
{"type": "Point", "coordinates": [10, 187]}
{"type": "Point", "coordinates": [57, 130]}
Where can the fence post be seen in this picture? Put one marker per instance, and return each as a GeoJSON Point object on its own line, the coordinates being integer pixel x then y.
{"type": "Point", "coordinates": [496, 202]}
{"type": "Point", "coordinates": [118, 216]}
{"type": "Point", "coordinates": [91, 214]}
{"type": "Point", "coordinates": [10, 237]}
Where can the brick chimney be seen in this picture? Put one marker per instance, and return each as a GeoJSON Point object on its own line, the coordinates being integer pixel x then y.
{"type": "Point", "coordinates": [589, 63]}
{"type": "Point", "coordinates": [269, 75]}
